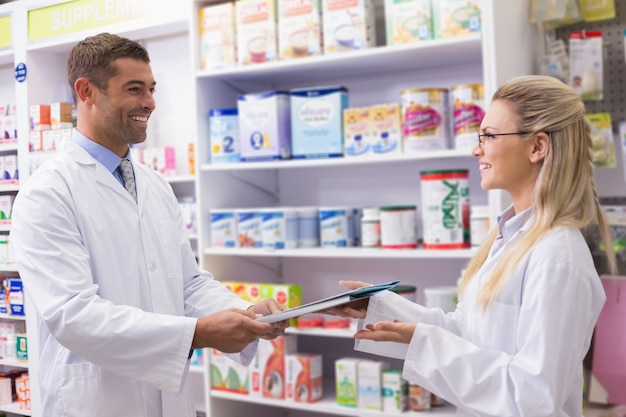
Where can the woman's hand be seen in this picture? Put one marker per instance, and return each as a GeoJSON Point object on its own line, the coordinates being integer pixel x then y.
{"type": "Point", "coordinates": [386, 331]}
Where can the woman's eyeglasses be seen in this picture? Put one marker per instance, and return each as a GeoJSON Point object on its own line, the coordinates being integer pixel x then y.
{"type": "Point", "coordinates": [488, 137]}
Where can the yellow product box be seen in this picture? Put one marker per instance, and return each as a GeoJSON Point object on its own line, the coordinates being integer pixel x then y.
{"type": "Point", "coordinates": [456, 17]}
{"type": "Point", "coordinates": [299, 28]}
{"type": "Point", "coordinates": [386, 128]}
{"type": "Point", "coordinates": [256, 31]}
{"type": "Point", "coordinates": [217, 36]}
{"type": "Point", "coordinates": [61, 115]}
{"type": "Point", "coordinates": [602, 140]}
{"type": "Point", "coordinates": [408, 21]}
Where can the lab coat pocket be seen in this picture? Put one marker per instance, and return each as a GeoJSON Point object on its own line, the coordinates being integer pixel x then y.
{"type": "Point", "coordinates": [499, 327]}
{"type": "Point", "coordinates": [169, 234]}
{"type": "Point", "coordinates": [85, 386]}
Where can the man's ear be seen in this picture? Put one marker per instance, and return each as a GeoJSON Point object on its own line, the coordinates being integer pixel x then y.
{"type": "Point", "coordinates": [85, 90]}
{"type": "Point", "coordinates": [541, 146]}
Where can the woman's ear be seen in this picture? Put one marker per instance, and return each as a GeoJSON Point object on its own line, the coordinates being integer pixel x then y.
{"type": "Point", "coordinates": [541, 146]}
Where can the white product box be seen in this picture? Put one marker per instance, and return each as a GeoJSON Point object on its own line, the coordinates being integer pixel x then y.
{"type": "Point", "coordinates": [370, 383]}
{"type": "Point", "coordinates": [10, 167]}
{"type": "Point", "coordinates": [346, 379]}
{"type": "Point", "coordinates": [256, 31]}
{"type": "Point", "coordinates": [34, 142]}
{"type": "Point", "coordinates": [217, 36]}
{"type": "Point", "coordinates": [303, 376]}
{"type": "Point", "coordinates": [348, 25]}
{"type": "Point", "coordinates": [267, 370]}
{"type": "Point", "coordinates": [264, 126]}
{"type": "Point", "coordinates": [40, 117]}
{"type": "Point", "coordinates": [317, 121]}
{"type": "Point", "coordinates": [456, 17]}
{"type": "Point", "coordinates": [4, 253]}
{"type": "Point", "coordinates": [61, 115]}
{"type": "Point", "coordinates": [249, 228]}
{"type": "Point", "coordinates": [6, 391]}
{"type": "Point", "coordinates": [395, 392]}
{"type": "Point", "coordinates": [408, 21]}
{"type": "Point", "coordinates": [162, 159]}
{"type": "Point", "coordinates": [9, 127]}
{"type": "Point", "coordinates": [223, 228]}
{"type": "Point", "coordinates": [6, 205]}
{"type": "Point", "coordinates": [224, 133]}
{"type": "Point", "coordinates": [228, 375]}
{"type": "Point", "coordinates": [299, 28]}
{"type": "Point", "coordinates": [50, 140]}
{"type": "Point", "coordinates": [279, 228]}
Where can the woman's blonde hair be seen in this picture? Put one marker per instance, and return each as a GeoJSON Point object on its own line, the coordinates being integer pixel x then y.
{"type": "Point", "coordinates": [565, 193]}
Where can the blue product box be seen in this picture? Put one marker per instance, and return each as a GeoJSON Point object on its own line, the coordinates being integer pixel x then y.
{"type": "Point", "coordinates": [224, 133]}
{"type": "Point", "coordinates": [16, 296]}
{"type": "Point", "coordinates": [317, 122]}
{"type": "Point", "coordinates": [264, 126]}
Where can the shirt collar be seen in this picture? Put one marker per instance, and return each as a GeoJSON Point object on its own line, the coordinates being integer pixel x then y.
{"type": "Point", "coordinates": [510, 223]}
{"type": "Point", "coordinates": [98, 152]}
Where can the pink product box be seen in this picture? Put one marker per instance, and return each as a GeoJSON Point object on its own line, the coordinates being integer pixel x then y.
{"type": "Point", "coordinates": [264, 126]}
{"type": "Point", "coordinates": [162, 159]}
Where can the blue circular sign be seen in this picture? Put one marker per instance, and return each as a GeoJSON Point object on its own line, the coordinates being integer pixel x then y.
{"type": "Point", "coordinates": [20, 72]}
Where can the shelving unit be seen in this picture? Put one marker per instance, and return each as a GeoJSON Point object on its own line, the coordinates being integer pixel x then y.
{"type": "Point", "coordinates": [372, 76]}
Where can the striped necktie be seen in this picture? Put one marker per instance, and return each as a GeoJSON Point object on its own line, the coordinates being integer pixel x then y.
{"type": "Point", "coordinates": [126, 169]}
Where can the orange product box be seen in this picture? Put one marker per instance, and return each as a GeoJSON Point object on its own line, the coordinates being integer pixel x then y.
{"type": "Point", "coordinates": [40, 117]}
{"type": "Point", "coordinates": [303, 376]}
{"type": "Point", "coordinates": [267, 370]}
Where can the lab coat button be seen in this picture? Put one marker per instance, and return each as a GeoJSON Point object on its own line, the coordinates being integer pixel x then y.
{"type": "Point", "coordinates": [152, 267]}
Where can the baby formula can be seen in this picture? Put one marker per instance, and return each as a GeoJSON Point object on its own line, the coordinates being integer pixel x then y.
{"type": "Point", "coordinates": [224, 132]}
{"type": "Point", "coordinates": [279, 228]}
{"type": "Point", "coordinates": [250, 228]}
{"type": "Point", "coordinates": [334, 226]}
{"type": "Point", "coordinates": [425, 119]}
{"type": "Point", "coordinates": [223, 228]}
{"type": "Point", "coordinates": [308, 227]}
{"type": "Point", "coordinates": [446, 210]}
{"type": "Point", "coordinates": [468, 109]}
{"type": "Point", "coordinates": [398, 229]}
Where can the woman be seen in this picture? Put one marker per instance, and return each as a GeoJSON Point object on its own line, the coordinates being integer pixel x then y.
{"type": "Point", "coordinates": [530, 296]}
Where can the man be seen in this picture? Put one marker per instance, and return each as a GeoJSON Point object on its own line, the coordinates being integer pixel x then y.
{"type": "Point", "coordinates": [104, 255]}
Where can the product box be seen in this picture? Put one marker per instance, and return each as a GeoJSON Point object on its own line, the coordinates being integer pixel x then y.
{"type": "Point", "coordinates": [256, 31]}
{"type": "Point", "coordinates": [370, 383]}
{"type": "Point", "coordinates": [346, 377]}
{"type": "Point", "coordinates": [408, 21]}
{"type": "Point", "coordinates": [16, 296]}
{"type": "Point", "coordinates": [386, 128]}
{"type": "Point", "coordinates": [9, 127]}
{"type": "Point", "coordinates": [267, 370]}
{"type": "Point", "coordinates": [6, 391]}
{"type": "Point", "coordinates": [264, 126]}
{"type": "Point", "coordinates": [10, 167]}
{"type": "Point", "coordinates": [217, 36]}
{"type": "Point", "coordinates": [223, 229]}
{"type": "Point", "coordinates": [50, 140]}
{"type": "Point", "coordinates": [299, 28]}
{"type": "Point", "coordinates": [162, 159]}
{"type": "Point", "coordinates": [61, 115]}
{"type": "Point", "coordinates": [228, 375]}
{"type": "Point", "coordinates": [357, 133]}
{"type": "Point", "coordinates": [249, 291]}
{"type": "Point", "coordinates": [456, 17]}
{"type": "Point", "coordinates": [395, 392]}
{"type": "Point", "coordinates": [40, 117]}
{"type": "Point", "coordinates": [35, 143]}
{"type": "Point", "coordinates": [317, 121]}
{"type": "Point", "coordinates": [288, 295]}
{"type": "Point", "coordinates": [224, 133]}
{"type": "Point", "coordinates": [303, 376]}
{"type": "Point", "coordinates": [348, 25]}
{"type": "Point", "coordinates": [249, 228]}
{"type": "Point", "coordinates": [6, 205]}
{"type": "Point", "coordinates": [4, 259]}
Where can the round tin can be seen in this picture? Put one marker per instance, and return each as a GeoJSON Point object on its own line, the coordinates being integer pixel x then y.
{"type": "Point", "coordinates": [334, 227]}
{"type": "Point", "coordinates": [425, 119]}
{"type": "Point", "coordinates": [446, 209]}
{"type": "Point", "coordinates": [468, 110]}
{"type": "Point", "coordinates": [398, 227]}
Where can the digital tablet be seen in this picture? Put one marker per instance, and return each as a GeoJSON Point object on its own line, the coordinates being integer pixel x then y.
{"type": "Point", "coordinates": [324, 303]}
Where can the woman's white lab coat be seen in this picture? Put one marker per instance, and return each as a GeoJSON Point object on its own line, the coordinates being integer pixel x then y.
{"type": "Point", "coordinates": [520, 357]}
{"type": "Point", "coordinates": [112, 281]}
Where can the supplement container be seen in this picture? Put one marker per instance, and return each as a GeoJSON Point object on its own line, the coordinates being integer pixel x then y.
{"type": "Point", "coordinates": [249, 228]}
{"type": "Point", "coordinates": [279, 228]}
{"type": "Point", "coordinates": [479, 224]}
{"type": "Point", "coordinates": [223, 228]}
{"type": "Point", "coordinates": [308, 224]}
{"type": "Point", "coordinates": [468, 110]}
{"type": "Point", "coordinates": [334, 226]}
{"type": "Point", "coordinates": [445, 209]}
{"type": "Point", "coordinates": [398, 229]}
{"type": "Point", "coordinates": [443, 297]}
{"type": "Point", "coordinates": [425, 119]}
{"type": "Point", "coordinates": [370, 228]}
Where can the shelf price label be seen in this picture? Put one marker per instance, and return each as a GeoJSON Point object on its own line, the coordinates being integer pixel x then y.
{"type": "Point", "coordinates": [79, 15]}
{"type": "Point", "coordinates": [5, 31]}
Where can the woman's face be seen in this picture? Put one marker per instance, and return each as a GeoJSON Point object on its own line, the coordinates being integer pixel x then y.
{"type": "Point", "coordinates": [505, 160]}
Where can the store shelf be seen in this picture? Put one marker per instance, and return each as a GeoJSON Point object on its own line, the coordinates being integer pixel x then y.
{"type": "Point", "coordinates": [9, 185]}
{"type": "Point", "coordinates": [180, 179]}
{"type": "Point", "coordinates": [360, 253]}
{"type": "Point", "coordinates": [8, 268]}
{"type": "Point", "coordinates": [339, 162]}
{"type": "Point", "coordinates": [12, 317]}
{"type": "Point", "coordinates": [15, 409]}
{"type": "Point", "coordinates": [440, 52]}
{"type": "Point", "coordinates": [8, 145]}
{"type": "Point", "coordinates": [14, 362]}
{"type": "Point", "coordinates": [320, 332]}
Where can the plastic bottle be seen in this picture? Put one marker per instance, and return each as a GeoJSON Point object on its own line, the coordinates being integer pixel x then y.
{"type": "Point", "coordinates": [370, 228]}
